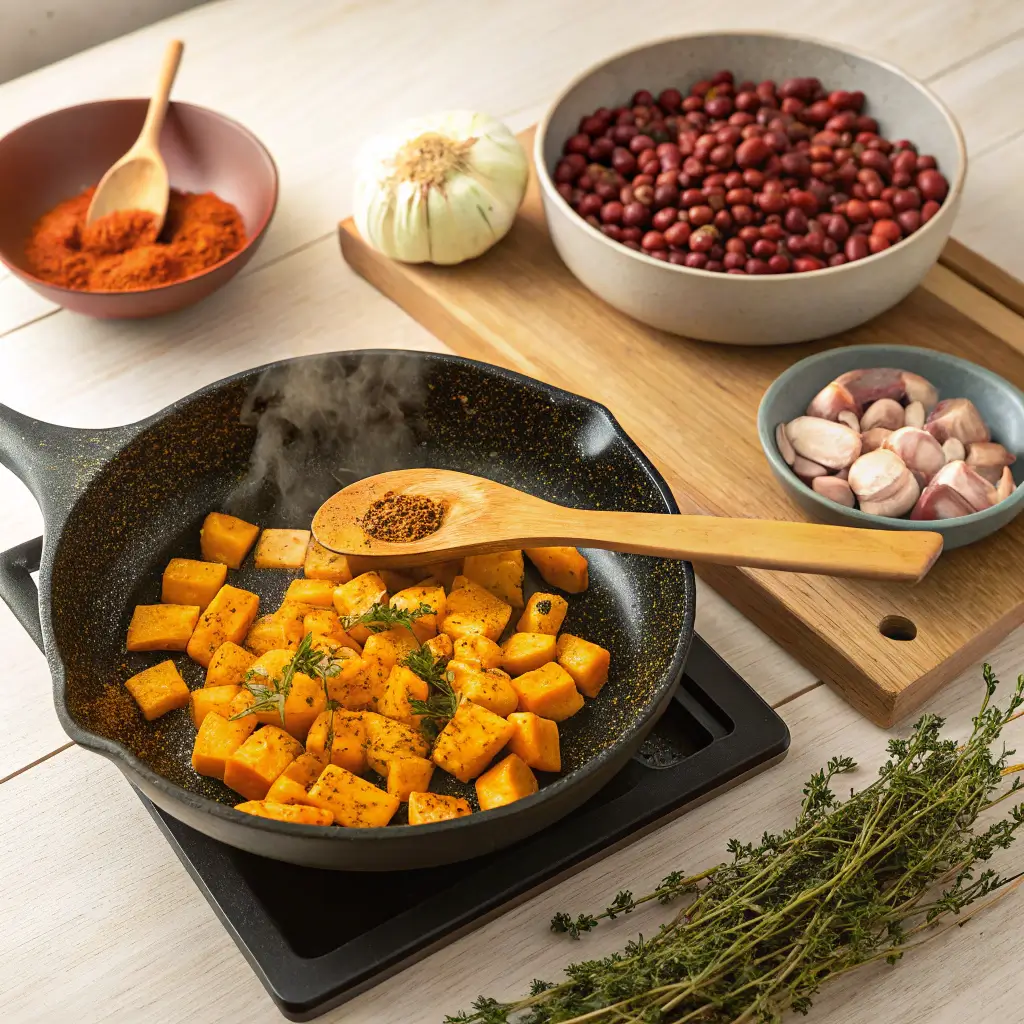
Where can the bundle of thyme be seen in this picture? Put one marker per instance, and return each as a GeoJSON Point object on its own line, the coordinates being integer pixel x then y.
{"type": "Point", "coordinates": [852, 882]}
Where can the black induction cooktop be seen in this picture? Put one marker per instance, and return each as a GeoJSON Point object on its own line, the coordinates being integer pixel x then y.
{"type": "Point", "coordinates": [314, 954]}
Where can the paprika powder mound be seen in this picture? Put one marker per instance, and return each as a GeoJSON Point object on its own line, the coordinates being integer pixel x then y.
{"type": "Point", "coordinates": [120, 252]}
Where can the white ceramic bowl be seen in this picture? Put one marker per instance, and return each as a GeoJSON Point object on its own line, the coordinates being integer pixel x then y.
{"type": "Point", "coordinates": [731, 308]}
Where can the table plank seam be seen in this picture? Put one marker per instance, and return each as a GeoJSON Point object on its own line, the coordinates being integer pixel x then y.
{"type": "Point", "coordinates": [37, 761]}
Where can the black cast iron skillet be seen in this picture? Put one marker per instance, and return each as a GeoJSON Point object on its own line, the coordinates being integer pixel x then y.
{"type": "Point", "coordinates": [118, 503]}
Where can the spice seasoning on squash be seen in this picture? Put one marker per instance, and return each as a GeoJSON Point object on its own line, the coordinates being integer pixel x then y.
{"type": "Point", "coordinates": [400, 518]}
{"type": "Point", "coordinates": [120, 252]}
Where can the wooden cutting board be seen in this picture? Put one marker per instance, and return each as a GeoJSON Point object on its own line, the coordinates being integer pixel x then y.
{"type": "Point", "coordinates": [692, 407]}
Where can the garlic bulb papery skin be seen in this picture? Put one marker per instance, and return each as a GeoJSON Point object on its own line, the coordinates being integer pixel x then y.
{"type": "Point", "coordinates": [440, 189]}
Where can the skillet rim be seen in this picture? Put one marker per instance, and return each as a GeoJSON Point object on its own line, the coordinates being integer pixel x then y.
{"type": "Point", "coordinates": [115, 751]}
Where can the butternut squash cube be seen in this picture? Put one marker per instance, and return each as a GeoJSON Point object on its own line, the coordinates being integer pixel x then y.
{"type": "Point", "coordinates": [356, 598]}
{"type": "Point", "coordinates": [536, 741]}
{"type": "Point", "coordinates": [544, 613]}
{"type": "Point", "coordinates": [402, 687]}
{"type": "Point", "coordinates": [425, 808]}
{"type": "Point", "coordinates": [409, 775]}
{"type": "Point", "coordinates": [318, 593]}
{"type": "Point", "coordinates": [325, 622]}
{"type": "Point", "coordinates": [252, 768]}
{"type": "Point", "coordinates": [187, 581]}
{"type": "Point", "coordinates": [161, 627]}
{"type": "Point", "coordinates": [273, 633]}
{"type": "Point", "coordinates": [468, 743]}
{"type": "Point", "coordinates": [305, 699]}
{"type": "Point", "coordinates": [501, 574]}
{"type": "Point", "coordinates": [346, 731]}
{"type": "Point", "coordinates": [293, 784]}
{"type": "Point", "coordinates": [548, 691]}
{"type": "Point", "coordinates": [564, 568]}
{"type": "Point", "coordinates": [586, 662]}
{"type": "Point", "coordinates": [158, 689]}
{"type": "Point", "coordinates": [282, 549]}
{"type": "Point", "coordinates": [395, 580]}
{"type": "Point", "coordinates": [228, 665]}
{"type": "Point", "coordinates": [523, 652]}
{"type": "Point", "coordinates": [443, 572]}
{"type": "Point", "coordinates": [473, 610]}
{"type": "Point", "coordinates": [353, 801]}
{"type": "Point", "coordinates": [324, 564]}
{"type": "Point", "coordinates": [294, 814]}
{"type": "Point", "coordinates": [491, 689]}
{"type": "Point", "coordinates": [217, 739]}
{"type": "Point", "coordinates": [348, 681]}
{"type": "Point", "coordinates": [414, 598]}
{"type": "Point", "coordinates": [478, 650]}
{"type": "Point", "coordinates": [388, 741]}
{"type": "Point", "coordinates": [211, 698]}
{"type": "Point", "coordinates": [226, 539]}
{"type": "Point", "coordinates": [440, 647]}
{"type": "Point", "coordinates": [382, 652]}
{"type": "Point", "coordinates": [509, 780]}
{"type": "Point", "coordinates": [227, 617]}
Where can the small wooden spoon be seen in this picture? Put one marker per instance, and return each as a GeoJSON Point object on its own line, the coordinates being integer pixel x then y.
{"type": "Point", "coordinates": [483, 516]}
{"type": "Point", "coordinates": [138, 181]}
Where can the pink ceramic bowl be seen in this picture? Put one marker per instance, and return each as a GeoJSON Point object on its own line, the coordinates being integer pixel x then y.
{"type": "Point", "coordinates": [57, 156]}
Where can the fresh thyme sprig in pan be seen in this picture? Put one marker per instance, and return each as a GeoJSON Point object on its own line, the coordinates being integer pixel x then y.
{"type": "Point", "coordinates": [852, 882]}
{"type": "Point", "coordinates": [443, 701]}
{"type": "Point", "coordinates": [382, 616]}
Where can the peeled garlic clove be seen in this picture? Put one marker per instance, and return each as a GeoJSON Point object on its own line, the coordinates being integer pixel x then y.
{"type": "Point", "coordinates": [976, 490]}
{"type": "Point", "coordinates": [898, 504]}
{"type": "Point", "coordinates": [830, 401]}
{"type": "Point", "coordinates": [849, 419]}
{"type": "Point", "coordinates": [954, 450]}
{"type": "Point", "coordinates": [878, 475]}
{"type": "Point", "coordinates": [940, 501]}
{"type": "Point", "coordinates": [987, 459]}
{"type": "Point", "coordinates": [829, 444]}
{"type": "Point", "coordinates": [1006, 485]}
{"type": "Point", "coordinates": [886, 412]}
{"type": "Point", "coordinates": [917, 389]}
{"type": "Point", "coordinates": [959, 418]}
{"type": "Point", "coordinates": [868, 386]}
{"type": "Point", "coordinates": [920, 452]}
{"type": "Point", "coordinates": [807, 470]}
{"type": "Point", "coordinates": [782, 443]}
{"type": "Point", "coordinates": [834, 489]}
{"type": "Point", "coordinates": [874, 438]}
{"type": "Point", "coordinates": [914, 415]}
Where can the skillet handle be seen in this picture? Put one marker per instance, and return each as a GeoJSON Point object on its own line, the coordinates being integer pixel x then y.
{"type": "Point", "coordinates": [17, 588]}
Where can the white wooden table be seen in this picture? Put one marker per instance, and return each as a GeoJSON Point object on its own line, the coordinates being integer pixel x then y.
{"type": "Point", "coordinates": [98, 920]}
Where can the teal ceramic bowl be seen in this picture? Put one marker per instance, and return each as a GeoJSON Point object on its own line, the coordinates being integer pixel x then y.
{"type": "Point", "coordinates": [999, 402]}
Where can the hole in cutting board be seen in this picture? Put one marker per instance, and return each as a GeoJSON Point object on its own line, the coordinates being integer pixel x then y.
{"type": "Point", "coordinates": [897, 627]}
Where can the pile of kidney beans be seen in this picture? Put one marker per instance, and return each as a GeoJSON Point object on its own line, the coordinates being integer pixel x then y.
{"type": "Point", "coordinates": [748, 179]}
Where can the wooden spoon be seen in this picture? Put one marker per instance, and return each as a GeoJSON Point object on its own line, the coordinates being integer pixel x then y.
{"type": "Point", "coordinates": [482, 516]}
{"type": "Point", "coordinates": [138, 181]}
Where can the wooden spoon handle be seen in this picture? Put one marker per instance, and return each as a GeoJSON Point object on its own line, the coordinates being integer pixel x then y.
{"type": "Point", "coordinates": [157, 110]}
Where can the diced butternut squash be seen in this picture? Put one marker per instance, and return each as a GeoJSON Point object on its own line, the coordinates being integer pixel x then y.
{"type": "Point", "coordinates": [228, 665]}
{"type": "Point", "coordinates": [544, 613]}
{"type": "Point", "coordinates": [348, 679]}
{"type": "Point", "coordinates": [472, 610]}
{"type": "Point", "coordinates": [273, 633]}
{"type": "Point", "coordinates": [252, 768]}
{"type": "Point", "coordinates": [443, 572]}
{"type": "Point", "coordinates": [323, 564]}
{"type": "Point", "coordinates": [161, 627]}
{"type": "Point", "coordinates": [305, 699]}
{"type": "Point", "coordinates": [477, 650]}
{"type": "Point", "coordinates": [536, 741]}
{"type": "Point", "coordinates": [340, 738]}
{"type": "Point", "coordinates": [357, 597]}
{"type": "Point", "coordinates": [293, 784]}
{"type": "Point", "coordinates": [318, 593]}
{"type": "Point", "coordinates": [158, 689]}
{"type": "Point", "coordinates": [294, 814]}
{"type": "Point", "coordinates": [500, 573]}
{"type": "Point", "coordinates": [227, 617]}
{"type": "Point", "coordinates": [396, 580]}
{"type": "Point", "coordinates": [440, 647]}
{"type": "Point", "coordinates": [509, 780]}
{"type": "Point", "coordinates": [282, 549]}
{"type": "Point", "coordinates": [409, 775]}
{"type": "Point", "coordinates": [468, 743]}
{"type": "Point", "coordinates": [353, 801]}
{"type": "Point", "coordinates": [211, 698]}
{"type": "Point", "coordinates": [414, 598]}
{"type": "Point", "coordinates": [586, 662]}
{"type": "Point", "coordinates": [226, 539]}
{"type": "Point", "coordinates": [548, 691]}
{"type": "Point", "coordinates": [218, 738]}
{"type": "Point", "coordinates": [402, 687]}
{"type": "Point", "coordinates": [382, 652]}
{"type": "Point", "coordinates": [389, 741]}
{"type": "Point", "coordinates": [564, 568]}
{"type": "Point", "coordinates": [425, 808]}
{"type": "Point", "coordinates": [523, 652]}
{"type": "Point", "coordinates": [325, 622]}
{"type": "Point", "coordinates": [491, 689]}
{"type": "Point", "coordinates": [187, 581]}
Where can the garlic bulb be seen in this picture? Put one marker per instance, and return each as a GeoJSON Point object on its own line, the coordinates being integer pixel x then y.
{"type": "Point", "coordinates": [440, 189]}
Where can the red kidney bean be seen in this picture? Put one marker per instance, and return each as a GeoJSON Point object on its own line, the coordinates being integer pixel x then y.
{"type": "Point", "coordinates": [887, 229]}
{"type": "Point", "coordinates": [718, 106]}
{"type": "Point", "coordinates": [635, 214]}
{"type": "Point", "coordinates": [638, 143]}
{"type": "Point", "coordinates": [791, 105]}
{"type": "Point", "coordinates": [678, 234]}
{"type": "Point", "coordinates": [653, 240]}
{"type": "Point", "coordinates": [591, 204]}
{"type": "Point", "coordinates": [670, 100]}
{"type": "Point", "coordinates": [837, 259]}
{"type": "Point", "coordinates": [747, 101]}
{"type": "Point", "coordinates": [878, 243]}
{"type": "Point", "coordinates": [578, 144]}
{"type": "Point", "coordinates": [736, 245]}
{"type": "Point", "coordinates": [703, 240]}
{"type": "Point", "coordinates": [733, 260]}
{"type": "Point", "coordinates": [643, 98]}
{"type": "Point", "coordinates": [611, 213]}
{"type": "Point", "coordinates": [696, 260]}
{"type": "Point", "coordinates": [844, 121]}
{"type": "Point", "coordinates": [665, 195]}
{"type": "Point", "coordinates": [866, 124]}
{"type": "Point", "coordinates": [771, 202]}
{"type": "Point", "coordinates": [630, 234]}
{"type": "Point", "coordinates": [773, 232]}
{"type": "Point", "coordinates": [901, 180]}
{"type": "Point", "coordinates": [857, 211]}
{"type": "Point", "coordinates": [723, 155]}
{"type": "Point", "coordinates": [715, 181]}
{"type": "Point", "coordinates": [779, 264]}
{"type": "Point", "coordinates": [592, 221]}
{"type": "Point", "coordinates": [843, 100]}
{"type": "Point", "coordinates": [796, 163]}
{"type": "Point", "coordinates": [749, 234]}
{"type": "Point", "coordinates": [877, 161]}
{"type": "Point", "coordinates": [565, 190]}
{"type": "Point", "coordinates": [739, 196]}
{"type": "Point", "coordinates": [667, 178]}
{"type": "Point", "coordinates": [693, 167]}
{"type": "Point", "coordinates": [904, 162]}
{"type": "Point", "coordinates": [830, 247]}
{"type": "Point", "coordinates": [642, 179]}
{"type": "Point", "coordinates": [805, 200]}
{"type": "Point", "coordinates": [933, 185]}
{"type": "Point", "coordinates": [643, 194]}
{"type": "Point", "coordinates": [716, 200]}
{"type": "Point", "coordinates": [742, 215]}
{"type": "Point", "coordinates": [606, 190]}
{"type": "Point", "coordinates": [926, 163]}
{"type": "Point", "coordinates": [837, 228]}
{"type": "Point", "coordinates": [752, 152]}
{"type": "Point", "coordinates": [756, 266]}
{"type": "Point", "coordinates": [803, 264]}
{"type": "Point", "coordinates": [614, 232]}
{"type": "Point", "coordinates": [796, 220]}
{"type": "Point", "coordinates": [928, 210]}
{"type": "Point", "coordinates": [880, 209]}
{"type": "Point", "coordinates": [774, 185]}
{"type": "Point", "coordinates": [664, 218]}
{"type": "Point", "coordinates": [909, 221]}
{"type": "Point", "coordinates": [906, 199]}
{"type": "Point", "coordinates": [856, 247]}
{"type": "Point", "coordinates": [691, 197]}
{"type": "Point", "coordinates": [754, 178]}
{"type": "Point", "coordinates": [763, 248]}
